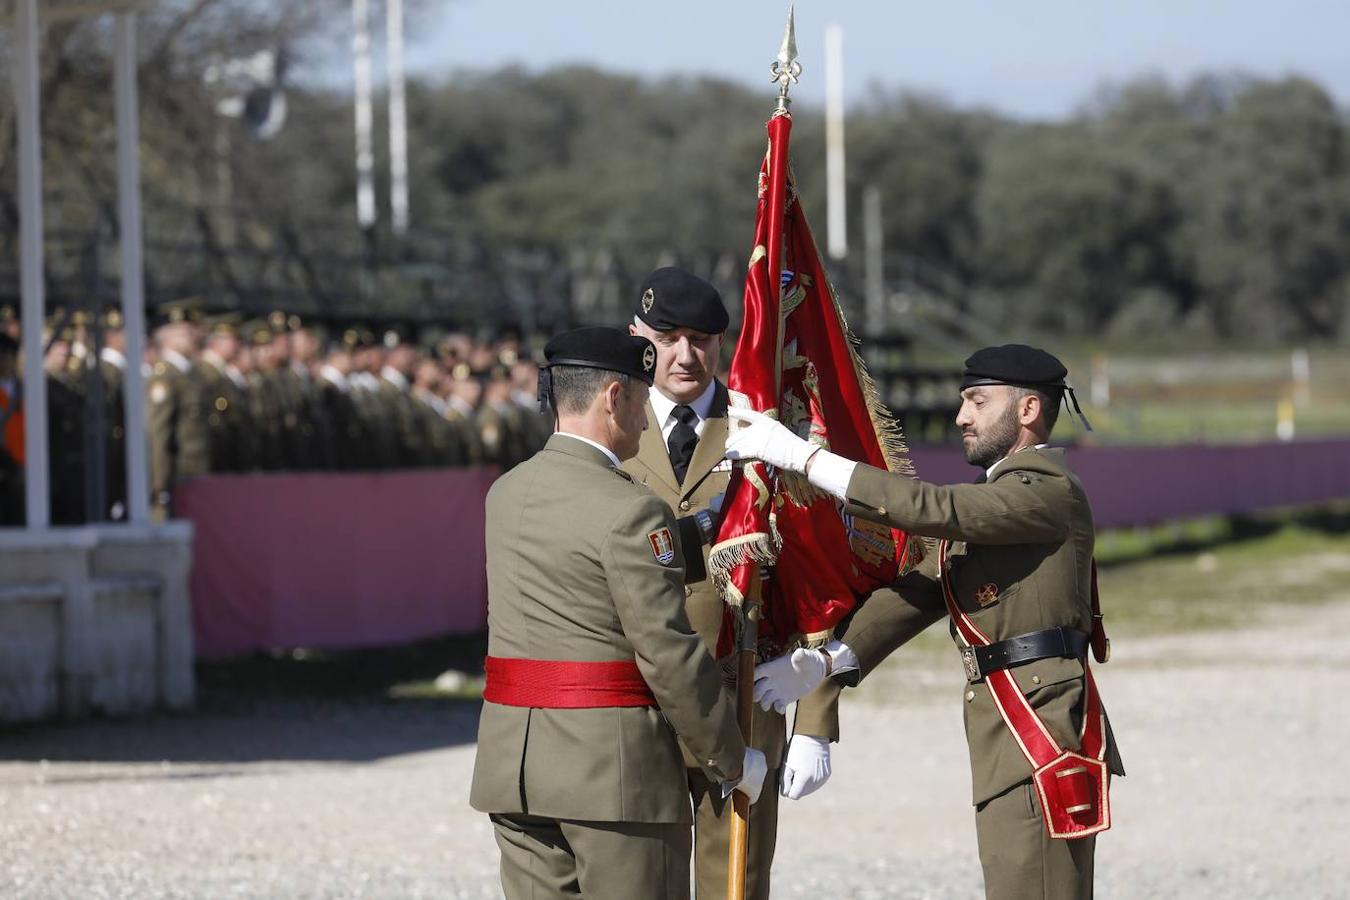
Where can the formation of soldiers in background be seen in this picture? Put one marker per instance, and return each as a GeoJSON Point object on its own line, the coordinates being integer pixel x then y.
{"type": "Point", "coordinates": [274, 394]}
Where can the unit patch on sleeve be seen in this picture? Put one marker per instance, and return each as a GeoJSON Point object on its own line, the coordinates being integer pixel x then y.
{"type": "Point", "coordinates": [663, 546]}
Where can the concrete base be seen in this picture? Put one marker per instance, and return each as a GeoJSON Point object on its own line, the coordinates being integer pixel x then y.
{"type": "Point", "coordinates": [95, 619]}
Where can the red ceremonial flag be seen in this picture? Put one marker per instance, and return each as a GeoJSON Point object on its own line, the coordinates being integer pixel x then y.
{"type": "Point", "coordinates": [795, 359]}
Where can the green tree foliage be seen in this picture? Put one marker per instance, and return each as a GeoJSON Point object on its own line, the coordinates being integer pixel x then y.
{"type": "Point", "coordinates": [1215, 208]}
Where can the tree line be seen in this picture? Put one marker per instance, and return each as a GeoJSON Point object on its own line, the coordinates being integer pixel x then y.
{"type": "Point", "coordinates": [1214, 209]}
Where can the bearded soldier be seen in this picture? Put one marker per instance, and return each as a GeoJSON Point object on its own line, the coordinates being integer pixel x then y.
{"type": "Point", "coordinates": [592, 665]}
{"type": "Point", "coordinates": [1016, 576]}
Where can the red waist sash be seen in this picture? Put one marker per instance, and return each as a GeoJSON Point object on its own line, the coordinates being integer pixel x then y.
{"type": "Point", "coordinates": [557, 684]}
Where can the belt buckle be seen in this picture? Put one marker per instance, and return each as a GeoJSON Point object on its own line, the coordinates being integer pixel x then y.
{"type": "Point", "coordinates": [971, 664]}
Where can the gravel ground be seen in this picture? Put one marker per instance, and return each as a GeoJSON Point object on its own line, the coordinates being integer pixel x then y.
{"type": "Point", "coordinates": [1232, 741]}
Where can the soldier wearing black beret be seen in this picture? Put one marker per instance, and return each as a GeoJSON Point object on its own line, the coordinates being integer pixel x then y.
{"type": "Point", "coordinates": [1015, 575]}
{"type": "Point", "coordinates": [680, 458]}
{"type": "Point", "coordinates": [593, 668]}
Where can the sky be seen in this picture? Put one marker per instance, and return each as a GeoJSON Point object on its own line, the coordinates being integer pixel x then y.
{"type": "Point", "coordinates": [1035, 59]}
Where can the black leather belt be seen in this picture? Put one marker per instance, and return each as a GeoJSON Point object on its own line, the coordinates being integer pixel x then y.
{"type": "Point", "coordinates": [1025, 648]}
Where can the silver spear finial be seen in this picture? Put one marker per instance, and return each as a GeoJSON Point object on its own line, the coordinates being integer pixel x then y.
{"type": "Point", "coordinates": [785, 69]}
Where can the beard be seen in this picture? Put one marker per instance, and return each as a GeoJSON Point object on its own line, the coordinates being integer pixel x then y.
{"type": "Point", "coordinates": [994, 442]}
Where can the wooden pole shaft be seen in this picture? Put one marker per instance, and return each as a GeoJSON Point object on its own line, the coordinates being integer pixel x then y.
{"type": "Point", "coordinates": [745, 698]}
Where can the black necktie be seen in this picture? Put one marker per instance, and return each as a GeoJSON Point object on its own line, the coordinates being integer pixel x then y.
{"type": "Point", "coordinates": [682, 439]}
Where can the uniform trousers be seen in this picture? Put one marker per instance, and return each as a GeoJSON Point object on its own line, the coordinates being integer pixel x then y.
{"type": "Point", "coordinates": [713, 815]}
{"type": "Point", "coordinates": [1020, 860]}
{"type": "Point", "coordinates": [546, 858]}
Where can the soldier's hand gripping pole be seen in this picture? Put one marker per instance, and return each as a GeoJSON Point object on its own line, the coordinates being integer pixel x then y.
{"type": "Point", "coordinates": [751, 610]}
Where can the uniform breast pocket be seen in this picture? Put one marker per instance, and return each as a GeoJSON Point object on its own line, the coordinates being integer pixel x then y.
{"type": "Point", "coordinates": [980, 588]}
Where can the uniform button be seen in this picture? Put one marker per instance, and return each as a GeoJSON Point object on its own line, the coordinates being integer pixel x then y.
{"type": "Point", "coordinates": [684, 506]}
{"type": "Point", "coordinates": [970, 695]}
{"type": "Point", "coordinates": [688, 591]}
{"type": "Point", "coordinates": [1035, 679]}
{"type": "Point", "coordinates": [881, 510]}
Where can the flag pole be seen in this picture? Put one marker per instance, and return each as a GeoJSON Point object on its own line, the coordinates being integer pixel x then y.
{"type": "Point", "coordinates": [738, 844]}
{"type": "Point", "coordinates": [785, 70]}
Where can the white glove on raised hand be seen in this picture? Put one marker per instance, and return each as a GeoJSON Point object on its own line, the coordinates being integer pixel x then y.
{"type": "Point", "coordinates": [753, 771]}
{"type": "Point", "coordinates": [764, 438]}
{"type": "Point", "coordinates": [788, 678]}
{"type": "Point", "coordinates": [807, 766]}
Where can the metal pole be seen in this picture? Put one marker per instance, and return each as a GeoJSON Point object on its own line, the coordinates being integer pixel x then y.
{"type": "Point", "coordinates": [835, 214]}
{"type": "Point", "coordinates": [398, 119]}
{"type": "Point", "coordinates": [27, 85]}
{"type": "Point", "coordinates": [874, 261]}
{"type": "Point", "coordinates": [133, 275]}
{"type": "Point", "coordinates": [365, 155]}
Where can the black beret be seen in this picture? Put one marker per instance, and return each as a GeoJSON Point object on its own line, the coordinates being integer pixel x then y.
{"type": "Point", "coordinates": [1015, 364]}
{"type": "Point", "coordinates": [673, 298]}
{"type": "Point", "coordinates": [603, 348]}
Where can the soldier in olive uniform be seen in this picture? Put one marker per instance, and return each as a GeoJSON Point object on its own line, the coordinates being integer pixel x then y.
{"type": "Point", "coordinates": [304, 358]}
{"type": "Point", "coordinates": [1021, 543]}
{"type": "Point", "coordinates": [463, 393]}
{"type": "Point", "coordinates": [378, 417]}
{"type": "Point", "coordinates": [396, 394]}
{"type": "Point", "coordinates": [180, 445]}
{"type": "Point", "coordinates": [593, 667]}
{"type": "Point", "coordinates": [112, 365]}
{"type": "Point", "coordinates": [681, 459]}
{"type": "Point", "coordinates": [228, 420]}
{"type": "Point", "coordinates": [342, 439]}
{"type": "Point", "coordinates": [445, 446]}
{"type": "Point", "coordinates": [265, 405]}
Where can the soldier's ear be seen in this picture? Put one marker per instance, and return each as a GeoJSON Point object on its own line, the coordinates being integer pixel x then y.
{"type": "Point", "coordinates": [613, 394]}
{"type": "Point", "coordinates": [1029, 408]}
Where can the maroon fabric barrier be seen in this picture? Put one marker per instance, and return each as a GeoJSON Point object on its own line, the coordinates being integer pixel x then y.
{"type": "Point", "coordinates": [335, 560]}
{"type": "Point", "coordinates": [1146, 485]}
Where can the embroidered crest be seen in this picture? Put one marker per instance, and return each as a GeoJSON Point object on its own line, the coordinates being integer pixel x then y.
{"type": "Point", "coordinates": [663, 545]}
{"type": "Point", "coordinates": [987, 594]}
{"type": "Point", "coordinates": [648, 358]}
{"type": "Point", "coordinates": [648, 299]}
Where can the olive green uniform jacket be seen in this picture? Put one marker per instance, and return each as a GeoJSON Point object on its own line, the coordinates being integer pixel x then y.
{"type": "Point", "coordinates": [707, 476]}
{"type": "Point", "coordinates": [572, 575]}
{"type": "Point", "coordinates": [1022, 563]}
{"type": "Point", "coordinates": [227, 420]}
{"type": "Point", "coordinates": [180, 445]}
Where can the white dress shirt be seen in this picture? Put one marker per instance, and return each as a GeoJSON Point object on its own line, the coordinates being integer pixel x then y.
{"type": "Point", "coordinates": [664, 407]}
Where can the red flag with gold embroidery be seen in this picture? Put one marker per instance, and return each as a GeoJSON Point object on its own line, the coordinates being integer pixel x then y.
{"type": "Point", "coordinates": [795, 359]}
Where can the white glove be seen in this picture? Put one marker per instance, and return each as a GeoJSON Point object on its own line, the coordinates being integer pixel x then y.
{"type": "Point", "coordinates": [753, 771]}
{"type": "Point", "coordinates": [760, 437]}
{"type": "Point", "coordinates": [807, 766]}
{"type": "Point", "coordinates": [787, 679]}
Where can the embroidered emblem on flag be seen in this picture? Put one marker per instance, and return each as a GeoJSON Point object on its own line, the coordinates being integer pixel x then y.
{"type": "Point", "coordinates": [663, 546]}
